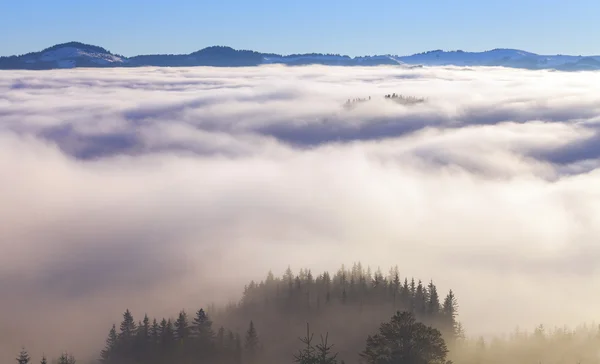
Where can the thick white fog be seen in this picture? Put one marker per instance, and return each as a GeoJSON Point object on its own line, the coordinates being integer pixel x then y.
{"type": "Point", "coordinates": [158, 189]}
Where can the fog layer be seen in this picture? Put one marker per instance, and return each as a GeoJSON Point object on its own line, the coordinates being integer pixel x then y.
{"type": "Point", "coordinates": [158, 189]}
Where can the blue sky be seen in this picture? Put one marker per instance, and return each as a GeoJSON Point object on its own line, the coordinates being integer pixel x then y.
{"type": "Point", "coordinates": [353, 27]}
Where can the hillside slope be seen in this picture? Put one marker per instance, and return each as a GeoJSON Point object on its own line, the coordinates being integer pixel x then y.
{"type": "Point", "coordinates": [76, 54]}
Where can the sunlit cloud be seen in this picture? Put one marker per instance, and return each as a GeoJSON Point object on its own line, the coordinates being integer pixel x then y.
{"type": "Point", "coordinates": [159, 189]}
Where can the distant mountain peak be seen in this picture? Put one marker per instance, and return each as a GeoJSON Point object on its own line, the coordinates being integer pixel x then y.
{"type": "Point", "coordinates": [78, 45]}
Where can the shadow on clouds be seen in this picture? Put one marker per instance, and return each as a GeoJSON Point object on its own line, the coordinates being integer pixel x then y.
{"type": "Point", "coordinates": [119, 185]}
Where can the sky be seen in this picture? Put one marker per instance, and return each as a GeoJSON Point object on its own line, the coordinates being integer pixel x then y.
{"type": "Point", "coordinates": [352, 27]}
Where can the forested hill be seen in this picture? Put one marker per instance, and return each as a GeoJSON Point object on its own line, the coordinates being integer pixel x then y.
{"type": "Point", "coordinates": [348, 305]}
{"type": "Point", "coordinates": [264, 326]}
{"type": "Point", "coordinates": [348, 317]}
{"type": "Point", "coordinates": [76, 54]}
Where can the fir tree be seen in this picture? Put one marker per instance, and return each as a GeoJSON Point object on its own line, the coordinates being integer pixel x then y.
{"type": "Point", "coordinates": [221, 338]}
{"type": "Point", "coordinates": [202, 328]}
{"type": "Point", "coordinates": [144, 329]}
{"type": "Point", "coordinates": [169, 332]}
{"type": "Point", "coordinates": [166, 334]}
{"type": "Point", "coordinates": [66, 358]}
{"type": "Point", "coordinates": [307, 355]}
{"type": "Point", "coordinates": [251, 344]}
{"type": "Point", "coordinates": [182, 329]}
{"type": "Point", "coordinates": [44, 360]}
{"type": "Point", "coordinates": [23, 357]}
{"type": "Point", "coordinates": [433, 306]}
{"type": "Point", "coordinates": [449, 311]}
{"type": "Point", "coordinates": [110, 347]}
{"type": "Point", "coordinates": [128, 327]}
{"type": "Point", "coordinates": [238, 350]}
{"type": "Point", "coordinates": [324, 354]}
{"type": "Point", "coordinates": [155, 332]}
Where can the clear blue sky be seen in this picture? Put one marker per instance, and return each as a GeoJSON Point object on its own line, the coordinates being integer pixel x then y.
{"type": "Point", "coordinates": [353, 27]}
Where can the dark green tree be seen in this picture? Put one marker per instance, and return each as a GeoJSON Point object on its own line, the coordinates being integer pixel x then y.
{"type": "Point", "coordinates": [308, 354]}
{"type": "Point", "coordinates": [23, 357]}
{"type": "Point", "coordinates": [449, 312]}
{"type": "Point", "coordinates": [128, 327]}
{"type": "Point", "coordinates": [433, 306]}
{"type": "Point", "coordinates": [403, 340]}
{"type": "Point", "coordinates": [109, 351]}
{"type": "Point", "coordinates": [66, 358]}
{"type": "Point", "coordinates": [155, 332]}
{"type": "Point", "coordinates": [251, 344]}
{"type": "Point", "coordinates": [202, 328]}
{"type": "Point", "coordinates": [238, 349]}
{"type": "Point", "coordinates": [168, 333]}
{"type": "Point", "coordinates": [221, 338]}
{"type": "Point", "coordinates": [182, 327]}
{"type": "Point", "coordinates": [144, 329]}
{"type": "Point", "coordinates": [324, 352]}
{"type": "Point", "coordinates": [315, 354]}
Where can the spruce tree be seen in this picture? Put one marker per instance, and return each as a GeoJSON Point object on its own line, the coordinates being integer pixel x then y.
{"type": "Point", "coordinates": [221, 338]}
{"type": "Point", "coordinates": [315, 354]}
{"type": "Point", "coordinates": [110, 347]}
{"type": "Point", "coordinates": [202, 328]}
{"type": "Point", "coordinates": [251, 345]}
{"type": "Point", "coordinates": [433, 306]}
{"type": "Point", "coordinates": [44, 360]}
{"type": "Point", "coordinates": [169, 332]}
{"type": "Point", "coordinates": [405, 294]}
{"type": "Point", "coordinates": [238, 349]}
{"type": "Point", "coordinates": [324, 355]}
{"type": "Point", "coordinates": [396, 284]}
{"type": "Point", "coordinates": [182, 327]}
{"type": "Point", "coordinates": [128, 327]}
{"type": "Point", "coordinates": [66, 358]}
{"type": "Point", "coordinates": [449, 311]}
{"type": "Point", "coordinates": [307, 355]}
{"type": "Point", "coordinates": [165, 331]}
{"type": "Point", "coordinates": [155, 332]}
{"type": "Point", "coordinates": [144, 329]}
{"type": "Point", "coordinates": [23, 357]}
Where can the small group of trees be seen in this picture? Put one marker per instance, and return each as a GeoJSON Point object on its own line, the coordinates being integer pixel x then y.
{"type": "Point", "coordinates": [405, 100]}
{"type": "Point", "coordinates": [179, 340]}
{"type": "Point", "coordinates": [347, 304]}
{"type": "Point", "coordinates": [402, 340]}
{"type": "Point", "coordinates": [541, 345]}
{"type": "Point", "coordinates": [64, 358]}
{"type": "Point", "coordinates": [401, 99]}
{"type": "Point", "coordinates": [315, 354]}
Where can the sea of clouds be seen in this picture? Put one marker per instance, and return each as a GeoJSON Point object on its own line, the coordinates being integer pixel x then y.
{"type": "Point", "coordinates": [158, 189]}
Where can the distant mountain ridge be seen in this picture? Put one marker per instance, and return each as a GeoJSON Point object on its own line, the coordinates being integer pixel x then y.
{"type": "Point", "coordinates": [76, 54]}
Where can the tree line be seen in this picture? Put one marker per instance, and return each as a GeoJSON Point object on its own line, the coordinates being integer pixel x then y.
{"type": "Point", "coordinates": [398, 98]}
{"type": "Point", "coordinates": [347, 305]}
{"type": "Point", "coordinates": [401, 340]}
{"type": "Point", "coordinates": [350, 310]}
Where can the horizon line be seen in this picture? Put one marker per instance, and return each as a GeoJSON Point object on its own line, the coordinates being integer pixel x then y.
{"type": "Point", "coordinates": [305, 53]}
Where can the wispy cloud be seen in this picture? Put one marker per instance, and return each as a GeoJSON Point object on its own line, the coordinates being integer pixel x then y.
{"type": "Point", "coordinates": [157, 189]}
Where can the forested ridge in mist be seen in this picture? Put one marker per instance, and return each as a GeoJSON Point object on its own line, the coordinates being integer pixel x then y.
{"type": "Point", "coordinates": [348, 311]}
{"type": "Point", "coordinates": [265, 324]}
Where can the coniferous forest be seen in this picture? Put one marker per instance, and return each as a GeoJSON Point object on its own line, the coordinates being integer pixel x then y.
{"type": "Point", "coordinates": [354, 315]}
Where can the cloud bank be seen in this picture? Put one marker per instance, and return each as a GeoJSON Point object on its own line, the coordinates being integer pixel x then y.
{"type": "Point", "coordinates": [159, 189]}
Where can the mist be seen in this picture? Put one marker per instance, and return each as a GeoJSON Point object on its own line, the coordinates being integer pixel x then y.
{"type": "Point", "coordinates": [157, 189]}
